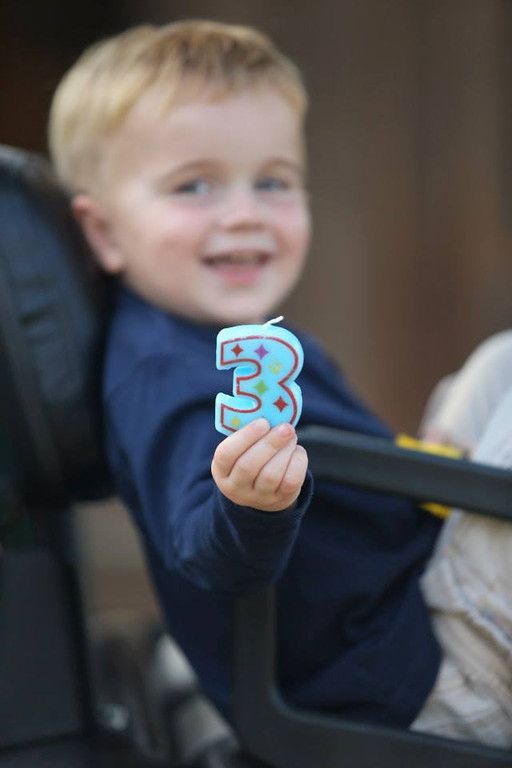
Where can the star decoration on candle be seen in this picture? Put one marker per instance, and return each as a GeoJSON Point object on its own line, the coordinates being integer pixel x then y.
{"type": "Point", "coordinates": [275, 367]}
{"type": "Point", "coordinates": [280, 404]}
{"type": "Point", "coordinates": [237, 349]}
{"type": "Point", "coordinates": [261, 387]}
{"type": "Point", "coordinates": [261, 351]}
{"type": "Point", "coordinates": [235, 422]}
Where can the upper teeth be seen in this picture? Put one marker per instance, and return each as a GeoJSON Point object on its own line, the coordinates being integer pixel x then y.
{"type": "Point", "coordinates": [245, 258]}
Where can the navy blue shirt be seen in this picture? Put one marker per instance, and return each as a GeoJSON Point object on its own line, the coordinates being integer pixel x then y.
{"type": "Point", "coordinates": [353, 632]}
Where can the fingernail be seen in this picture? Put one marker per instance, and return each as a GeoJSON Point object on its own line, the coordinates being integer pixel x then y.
{"type": "Point", "coordinates": [261, 425]}
{"type": "Point", "coordinates": [284, 430]}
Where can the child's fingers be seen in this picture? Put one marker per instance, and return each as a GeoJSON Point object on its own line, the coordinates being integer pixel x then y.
{"type": "Point", "coordinates": [247, 468]}
{"type": "Point", "coordinates": [295, 472]}
{"type": "Point", "coordinates": [294, 464]}
{"type": "Point", "coordinates": [230, 450]}
{"type": "Point", "coordinates": [272, 473]}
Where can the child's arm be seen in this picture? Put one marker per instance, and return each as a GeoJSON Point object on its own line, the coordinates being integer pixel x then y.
{"type": "Point", "coordinates": [161, 443]}
{"type": "Point", "coordinates": [260, 467]}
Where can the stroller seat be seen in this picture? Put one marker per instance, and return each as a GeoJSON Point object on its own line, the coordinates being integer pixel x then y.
{"type": "Point", "coordinates": [53, 310]}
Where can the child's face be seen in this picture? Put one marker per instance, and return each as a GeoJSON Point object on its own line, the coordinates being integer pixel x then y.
{"type": "Point", "coordinates": [203, 210]}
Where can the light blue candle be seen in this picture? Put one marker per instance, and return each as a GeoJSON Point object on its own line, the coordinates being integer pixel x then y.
{"type": "Point", "coordinates": [267, 359]}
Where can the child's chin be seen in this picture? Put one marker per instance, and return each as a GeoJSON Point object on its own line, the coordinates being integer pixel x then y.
{"type": "Point", "coordinates": [244, 317]}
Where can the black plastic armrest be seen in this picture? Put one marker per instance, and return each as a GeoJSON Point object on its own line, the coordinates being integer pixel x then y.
{"type": "Point", "coordinates": [285, 737]}
{"type": "Point", "coordinates": [378, 464]}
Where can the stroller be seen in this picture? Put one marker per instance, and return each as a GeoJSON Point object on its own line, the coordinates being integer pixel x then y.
{"type": "Point", "coordinates": [66, 700]}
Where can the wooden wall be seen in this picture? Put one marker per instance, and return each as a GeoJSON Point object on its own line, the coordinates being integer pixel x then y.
{"type": "Point", "coordinates": [411, 172]}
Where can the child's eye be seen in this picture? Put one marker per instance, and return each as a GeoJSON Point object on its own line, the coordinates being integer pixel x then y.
{"type": "Point", "coordinates": [194, 187]}
{"type": "Point", "coordinates": [272, 184]}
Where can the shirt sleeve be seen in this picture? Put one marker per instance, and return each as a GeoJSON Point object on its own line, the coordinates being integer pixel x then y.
{"type": "Point", "coordinates": [161, 440]}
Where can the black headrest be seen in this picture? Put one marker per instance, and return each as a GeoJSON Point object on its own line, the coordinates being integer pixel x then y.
{"type": "Point", "coordinates": [53, 306]}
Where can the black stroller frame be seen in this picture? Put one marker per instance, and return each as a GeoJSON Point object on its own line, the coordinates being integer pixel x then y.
{"type": "Point", "coordinates": [55, 709]}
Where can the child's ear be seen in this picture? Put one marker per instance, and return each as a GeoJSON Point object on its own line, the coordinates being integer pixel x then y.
{"type": "Point", "coordinates": [96, 227]}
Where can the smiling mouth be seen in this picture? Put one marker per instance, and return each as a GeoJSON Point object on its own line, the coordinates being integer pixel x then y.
{"type": "Point", "coordinates": [234, 260]}
{"type": "Point", "coordinates": [238, 270]}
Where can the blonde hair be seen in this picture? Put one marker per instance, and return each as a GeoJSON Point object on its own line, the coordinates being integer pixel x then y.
{"type": "Point", "coordinates": [180, 59]}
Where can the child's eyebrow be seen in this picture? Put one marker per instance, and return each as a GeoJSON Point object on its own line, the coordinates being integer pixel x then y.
{"type": "Point", "coordinates": [192, 167]}
{"type": "Point", "coordinates": [208, 165]}
{"type": "Point", "coordinates": [296, 166]}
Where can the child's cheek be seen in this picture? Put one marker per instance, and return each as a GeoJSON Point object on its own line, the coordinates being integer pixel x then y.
{"type": "Point", "coordinates": [296, 222]}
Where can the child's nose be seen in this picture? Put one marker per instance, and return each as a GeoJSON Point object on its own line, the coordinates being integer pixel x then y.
{"type": "Point", "coordinates": [242, 208]}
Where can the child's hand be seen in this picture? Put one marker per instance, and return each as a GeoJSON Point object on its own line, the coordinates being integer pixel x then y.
{"type": "Point", "coordinates": [260, 467]}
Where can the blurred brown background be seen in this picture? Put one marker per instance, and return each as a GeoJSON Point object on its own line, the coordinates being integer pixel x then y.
{"type": "Point", "coordinates": [411, 175]}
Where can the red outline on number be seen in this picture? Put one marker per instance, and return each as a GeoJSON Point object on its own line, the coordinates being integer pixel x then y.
{"type": "Point", "coordinates": [281, 383]}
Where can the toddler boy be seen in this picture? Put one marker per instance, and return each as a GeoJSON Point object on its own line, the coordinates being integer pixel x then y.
{"type": "Point", "coordinates": [182, 147]}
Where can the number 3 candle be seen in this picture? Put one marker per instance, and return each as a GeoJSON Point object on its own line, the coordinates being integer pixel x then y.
{"type": "Point", "coordinates": [266, 359]}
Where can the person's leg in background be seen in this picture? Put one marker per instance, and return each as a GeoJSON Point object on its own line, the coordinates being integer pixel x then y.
{"type": "Point", "coordinates": [468, 582]}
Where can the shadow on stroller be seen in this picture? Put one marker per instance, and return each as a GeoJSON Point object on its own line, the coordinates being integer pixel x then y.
{"type": "Point", "coordinates": [65, 701]}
